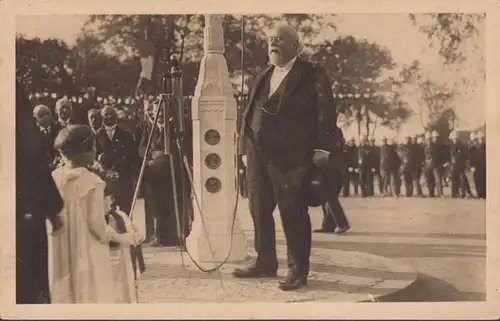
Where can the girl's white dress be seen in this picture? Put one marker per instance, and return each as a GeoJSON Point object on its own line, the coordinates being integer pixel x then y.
{"type": "Point", "coordinates": [81, 260]}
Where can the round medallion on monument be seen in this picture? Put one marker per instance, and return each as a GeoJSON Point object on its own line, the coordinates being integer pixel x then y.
{"type": "Point", "coordinates": [213, 161]}
{"type": "Point", "coordinates": [213, 185]}
{"type": "Point", "coordinates": [212, 137]}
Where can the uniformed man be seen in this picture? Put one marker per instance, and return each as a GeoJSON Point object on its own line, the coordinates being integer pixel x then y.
{"type": "Point", "coordinates": [432, 165]}
{"type": "Point", "coordinates": [478, 165]}
{"type": "Point", "coordinates": [397, 165]}
{"type": "Point", "coordinates": [367, 164]}
{"type": "Point", "coordinates": [405, 154]}
{"type": "Point", "coordinates": [441, 158]}
{"type": "Point", "coordinates": [352, 175]}
{"type": "Point", "coordinates": [388, 168]}
{"type": "Point", "coordinates": [457, 164]}
{"type": "Point", "coordinates": [418, 156]}
{"type": "Point", "coordinates": [376, 173]}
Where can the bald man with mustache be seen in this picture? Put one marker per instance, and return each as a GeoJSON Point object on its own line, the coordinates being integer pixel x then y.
{"type": "Point", "coordinates": [288, 128]}
{"type": "Point", "coordinates": [117, 151]}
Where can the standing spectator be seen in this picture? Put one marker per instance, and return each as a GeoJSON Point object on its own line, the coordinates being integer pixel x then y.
{"type": "Point", "coordinates": [37, 199]}
{"type": "Point", "coordinates": [48, 130]}
{"type": "Point", "coordinates": [95, 119]}
{"type": "Point", "coordinates": [478, 165]}
{"type": "Point", "coordinates": [367, 162]}
{"type": "Point", "coordinates": [116, 151]}
{"type": "Point", "coordinates": [64, 111]}
{"type": "Point", "coordinates": [458, 164]}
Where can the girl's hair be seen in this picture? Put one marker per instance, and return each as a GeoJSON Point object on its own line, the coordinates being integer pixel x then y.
{"type": "Point", "coordinates": [74, 139]}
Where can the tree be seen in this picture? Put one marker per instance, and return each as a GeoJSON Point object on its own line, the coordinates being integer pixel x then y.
{"type": "Point", "coordinates": [125, 35]}
{"type": "Point", "coordinates": [110, 74]}
{"type": "Point", "coordinates": [355, 65]}
{"type": "Point", "coordinates": [41, 66]}
{"type": "Point", "coordinates": [435, 100]}
{"type": "Point", "coordinates": [358, 71]}
{"type": "Point", "coordinates": [452, 31]}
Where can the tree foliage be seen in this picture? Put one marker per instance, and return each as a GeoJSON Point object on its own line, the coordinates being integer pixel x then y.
{"type": "Point", "coordinates": [434, 99]}
{"type": "Point", "coordinates": [106, 55]}
{"type": "Point", "coordinates": [41, 65]}
{"type": "Point", "coordinates": [451, 31]}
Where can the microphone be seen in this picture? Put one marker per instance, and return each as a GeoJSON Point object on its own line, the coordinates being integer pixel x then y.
{"type": "Point", "coordinates": [177, 92]}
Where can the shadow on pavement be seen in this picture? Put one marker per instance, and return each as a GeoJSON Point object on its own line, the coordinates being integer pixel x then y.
{"type": "Point", "coordinates": [431, 289]}
{"type": "Point", "coordinates": [400, 250]}
{"type": "Point", "coordinates": [427, 235]}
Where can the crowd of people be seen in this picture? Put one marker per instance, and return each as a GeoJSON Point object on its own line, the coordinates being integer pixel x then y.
{"type": "Point", "coordinates": [95, 163]}
{"type": "Point", "coordinates": [430, 161]}
{"type": "Point", "coordinates": [82, 172]}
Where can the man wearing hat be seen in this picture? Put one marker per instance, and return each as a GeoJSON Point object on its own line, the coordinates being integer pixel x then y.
{"type": "Point", "coordinates": [458, 163]}
{"type": "Point", "coordinates": [377, 173]}
{"type": "Point", "coordinates": [389, 168]}
{"type": "Point", "coordinates": [433, 164]}
{"type": "Point", "coordinates": [367, 164]}
{"type": "Point", "coordinates": [408, 165]}
{"type": "Point", "coordinates": [288, 129]}
{"type": "Point", "coordinates": [418, 157]}
{"type": "Point", "coordinates": [352, 171]}
{"type": "Point", "coordinates": [477, 154]}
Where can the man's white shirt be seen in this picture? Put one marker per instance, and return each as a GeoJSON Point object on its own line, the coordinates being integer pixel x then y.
{"type": "Point", "coordinates": [279, 73]}
{"type": "Point", "coordinates": [110, 130]}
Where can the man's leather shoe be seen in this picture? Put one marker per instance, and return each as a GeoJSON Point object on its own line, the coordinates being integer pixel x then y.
{"type": "Point", "coordinates": [292, 282]}
{"type": "Point", "coordinates": [322, 230]}
{"type": "Point", "coordinates": [253, 271]}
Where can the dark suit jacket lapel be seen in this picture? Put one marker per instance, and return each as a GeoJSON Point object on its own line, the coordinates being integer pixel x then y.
{"type": "Point", "coordinates": [255, 87]}
{"type": "Point", "coordinates": [292, 81]}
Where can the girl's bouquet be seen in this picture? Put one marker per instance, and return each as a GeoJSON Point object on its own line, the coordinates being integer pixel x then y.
{"type": "Point", "coordinates": [108, 175]}
{"type": "Point", "coordinates": [113, 218]}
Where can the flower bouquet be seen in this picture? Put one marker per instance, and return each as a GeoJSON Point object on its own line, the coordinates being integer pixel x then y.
{"type": "Point", "coordinates": [109, 176]}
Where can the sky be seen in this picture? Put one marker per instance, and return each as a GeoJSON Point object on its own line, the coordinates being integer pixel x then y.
{"type": "Point", "coordinates": [393, 31]}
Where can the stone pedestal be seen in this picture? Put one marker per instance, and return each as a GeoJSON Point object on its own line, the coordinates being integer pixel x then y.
{"type": "Point", "coordinates": [214, 113]}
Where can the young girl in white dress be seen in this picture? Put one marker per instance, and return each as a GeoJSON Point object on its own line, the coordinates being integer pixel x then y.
{"type": "Point", "coordinates": [80, 253]}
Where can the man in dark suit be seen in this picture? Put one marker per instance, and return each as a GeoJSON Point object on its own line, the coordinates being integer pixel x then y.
{"type": "Point", "coordinates": [477, 156]}
{"type": "Point", "coordinates": [158, 197]}
{"type": "Point", "coordinates": [334, 218]}
{"type": "Point", "coordinates": [116, 151]}
{"type": "Point", "coordinates": [37, 199]}
{"type": "Point", "coordinates": [288, 127]}
{"type": "Point", "coordinates": [367, 163]}
{"type": "Point", "coordinates": [48, 130]}
{"type": "Point", "coordinates": [389, 168]}
{"type": "Point", "coordinates": [433, 166]}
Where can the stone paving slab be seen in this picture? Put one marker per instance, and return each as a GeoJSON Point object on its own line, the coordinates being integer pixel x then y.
{"type": "Point", "coordinates": [336, 276]}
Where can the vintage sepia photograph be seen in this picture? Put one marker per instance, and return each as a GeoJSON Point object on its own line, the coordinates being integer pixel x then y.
{"type": "Point", "coordinates": [287, 158]}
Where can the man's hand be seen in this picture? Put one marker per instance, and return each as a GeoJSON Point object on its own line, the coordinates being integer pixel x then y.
{"type": "Point", "coordinates": [473, 169]}
{"type": "Point", "coordinates": [244, 160]}
{"type": "Point", "coordinates": [57, 225]}
{"type": "Point", "coordinates": [157, 154]}
{"type": "Point", "coordinates": [321, 158]}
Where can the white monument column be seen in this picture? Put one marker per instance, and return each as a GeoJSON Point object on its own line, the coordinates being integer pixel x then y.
{"type": "Point", "coordinates": [214, 113]}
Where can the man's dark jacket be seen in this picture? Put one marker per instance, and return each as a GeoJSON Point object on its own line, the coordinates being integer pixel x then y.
{"type": "Point", "coordinates": [306, 117]}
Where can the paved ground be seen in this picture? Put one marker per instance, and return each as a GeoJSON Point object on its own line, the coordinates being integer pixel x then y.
{"type": "Point", "coordinates": [443, 239]}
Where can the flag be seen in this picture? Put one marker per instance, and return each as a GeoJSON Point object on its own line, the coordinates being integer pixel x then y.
{"type": "Point", "coordinates": [147, 67]}
{"type": "Point", "coordinates": [146, 49]}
